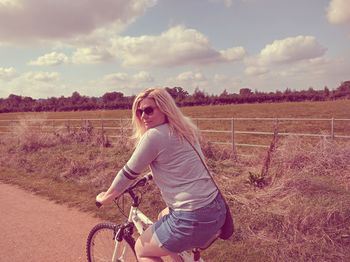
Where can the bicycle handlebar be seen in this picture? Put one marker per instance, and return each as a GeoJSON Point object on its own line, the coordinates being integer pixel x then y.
{"type": "Point", "coordinates": [141, 182]}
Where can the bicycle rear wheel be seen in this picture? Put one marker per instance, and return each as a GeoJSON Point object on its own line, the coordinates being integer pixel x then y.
{"type": "Point", "coordinates": [101, 243]}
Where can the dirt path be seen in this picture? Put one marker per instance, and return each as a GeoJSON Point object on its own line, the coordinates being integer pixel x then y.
{"type": "Point", "coordinates": [36, 229]}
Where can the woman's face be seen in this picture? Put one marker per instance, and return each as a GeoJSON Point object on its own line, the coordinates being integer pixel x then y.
{"type": "Point", "coordinates": [149, 114]}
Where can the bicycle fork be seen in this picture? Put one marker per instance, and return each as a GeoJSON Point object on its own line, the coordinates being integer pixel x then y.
{"type": "Point", "coordinates": [118, 237]}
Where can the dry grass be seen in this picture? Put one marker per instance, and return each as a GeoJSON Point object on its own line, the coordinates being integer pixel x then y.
{"type": "Point", "coordinates": [301, 213]}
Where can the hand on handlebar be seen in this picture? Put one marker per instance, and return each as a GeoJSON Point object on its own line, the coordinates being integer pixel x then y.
{"type": "Point", "coordinates": [100, 198]}
{"type": "Point", "coordinates": [105, 197]}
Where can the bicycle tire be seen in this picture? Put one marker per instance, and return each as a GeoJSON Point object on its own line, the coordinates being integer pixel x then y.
{"type": "Point", "coordinates": [101, 243]}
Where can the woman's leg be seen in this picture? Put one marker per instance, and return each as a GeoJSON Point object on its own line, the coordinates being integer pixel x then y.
{"type": "Point", "coordinates": [164, 212]}
{"type": "Point", "coordinates": [148, 248]}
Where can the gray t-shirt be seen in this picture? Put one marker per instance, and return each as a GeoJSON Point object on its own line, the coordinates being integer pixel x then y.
{"type": "Point", "coordinates": [178, 171]}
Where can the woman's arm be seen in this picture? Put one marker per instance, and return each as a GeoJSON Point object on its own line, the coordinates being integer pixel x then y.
{"type": "Point", "coordinates": [118, 186]}
{"type": "Point", "coordinates": [143, 155]}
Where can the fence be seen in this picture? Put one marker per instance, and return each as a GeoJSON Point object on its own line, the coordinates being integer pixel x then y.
{"type": "Point", "coordinates": [231, 132]}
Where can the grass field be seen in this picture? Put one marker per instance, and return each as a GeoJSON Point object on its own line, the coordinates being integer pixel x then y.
{"type": "Point", "coordinates": [324, 111]}
{"type": "Point", "coordinates": [299, 210]}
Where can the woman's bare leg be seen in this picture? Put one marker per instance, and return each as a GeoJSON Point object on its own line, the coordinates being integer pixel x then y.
{"type": "Point", "coordinates": [148, 248]}
{"type": "Point", "coordinates": [164, 212]}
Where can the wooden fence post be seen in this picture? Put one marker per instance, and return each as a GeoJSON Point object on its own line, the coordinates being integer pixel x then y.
{"type": "Point", "coordinates": [121, 131]}
{"type": "Point", "coordinates": [332, 128]}
{"type": "Point", "coordinates": [234, 154]}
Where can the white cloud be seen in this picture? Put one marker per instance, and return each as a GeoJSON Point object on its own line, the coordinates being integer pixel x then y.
{"type": "Point", "coordinates": [338, 12]}
{"type": "Point", "coordinates": [124, 81]}
{"type": "Point", "coordinates": [220, 78]}
{"type": "Point", "coordinates": [143, 77]}
{"type": "Point", "coordinates": [7, 73]}
{"type": "Point", "coordinates": [91, 55]}
{"type": "Point", "coordinates": [41, 19]}
{"type": "Point", "coordinates": [191, 76]}
{"type": "Point", "coordinates": [116, 78]}
{"type": "Point", "coordinates": [41, 76]}
{"type": "Point", "coordinates": [50, 59]}
{"type": "Point", "coordinates": [291, 49]}
{"type": "Point", "coordinates": [174, 47]}
{"type": "Point", "coordinates": [254, 71]}
{"type": "Point", "coordinates": [10, 4]}
{"type": "Point", "coordinates": [233, 54]}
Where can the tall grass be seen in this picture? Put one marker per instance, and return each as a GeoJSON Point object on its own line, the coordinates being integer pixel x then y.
{"type": "Point", "coordinates": [300, 213]}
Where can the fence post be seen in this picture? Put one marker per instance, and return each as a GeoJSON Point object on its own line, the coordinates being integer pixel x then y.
{"type": "Point", "coordinates": [332, 128]}
{"type": "Point", "coordinates": [234, 155]}
{"type": "Point", "coordinates": [102, 132]}
{"type": "Point", "coordinates": [121, 132]}
{"type": "Point", "coordinates": [68, 126]}
{"type": "Point", "coordinates": [102, 125]}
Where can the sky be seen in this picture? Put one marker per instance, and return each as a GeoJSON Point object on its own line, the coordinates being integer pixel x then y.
{"type": "Point", "coordinates": [52, 48]}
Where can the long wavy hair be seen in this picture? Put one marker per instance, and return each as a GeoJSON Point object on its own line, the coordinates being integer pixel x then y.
{"type": "Point", "coordinates": [178, 122]}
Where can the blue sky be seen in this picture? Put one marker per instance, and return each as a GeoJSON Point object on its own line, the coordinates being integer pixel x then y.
{"type": "Point", "coordinates": [53, 48]}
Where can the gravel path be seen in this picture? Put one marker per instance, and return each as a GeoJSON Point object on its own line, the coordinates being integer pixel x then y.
{"type": "Point", "coordinates": [35, 229]}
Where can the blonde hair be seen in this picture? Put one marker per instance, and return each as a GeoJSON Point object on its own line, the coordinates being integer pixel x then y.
{"type": "Point", "coordinates": [178, 123]}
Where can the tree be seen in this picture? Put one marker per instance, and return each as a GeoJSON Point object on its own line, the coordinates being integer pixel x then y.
{"type": "Point", "coordinates": [326, 91]}
{"type": "Point", "coordinates": [178, 93]}
{"type": "Point", "coordinates": [111, 97]}
{"type": "Point", "coordinates": [245, 92]}
{"type": "Point", "coordinates": [199, 96]}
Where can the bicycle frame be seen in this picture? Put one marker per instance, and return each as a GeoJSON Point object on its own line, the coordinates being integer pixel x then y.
{"type": "Point", "coordinates": [137, 219]}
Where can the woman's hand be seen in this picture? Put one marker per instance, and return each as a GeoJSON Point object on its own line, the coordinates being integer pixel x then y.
{"type": "Point", "coordinates": [101, 197]}
{"type": "Point", "coordinates": [106, 197]}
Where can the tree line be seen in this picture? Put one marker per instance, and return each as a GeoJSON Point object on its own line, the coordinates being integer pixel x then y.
{"type": "Point", "coordinates": [117, 100]}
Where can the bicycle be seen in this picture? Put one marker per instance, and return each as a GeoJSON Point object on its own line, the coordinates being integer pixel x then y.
{"type": "Point", "coordinates": [115, 242]}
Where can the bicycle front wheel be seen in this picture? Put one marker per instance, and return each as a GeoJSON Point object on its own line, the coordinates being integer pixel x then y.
{"type": "Point", "coordinates": [101, 245]}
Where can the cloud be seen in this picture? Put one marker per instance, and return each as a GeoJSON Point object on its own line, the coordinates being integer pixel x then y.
{"type": "Point", "coordinates": [143, 77]}
{"type": "Point", "coordinates": [291, 49]}
{"type": "Point", "coordinates": [41, 76]}
{"type": "Point", "coordinates": [42, 20]}
{"type": "Point", "coordinates": [10, 4]}
{"type": "Point", "coordinates": [175, 47]}
{"type": "Point", "coordinates": [233, 54]}
{"type": "Point", "coordinates": [191, 76]}
{"type": "Point", "coordinates": [51, 59]}
{"type": "Point", "coordinates": [92, 55]}
{"type": "Point", "coordinates": [338, 12]}
{"type": "Point", "coordinates": [126, 79]}
{"type": "Point", "coordinates": [116, 78]}
{"type": "Point", "coordinates": [254, 71]}
{"type": "Point", "coordinates": [7, 73]}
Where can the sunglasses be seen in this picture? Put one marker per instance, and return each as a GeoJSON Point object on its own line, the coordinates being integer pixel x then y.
{"type": "Point", "coordinates": [147, 110]}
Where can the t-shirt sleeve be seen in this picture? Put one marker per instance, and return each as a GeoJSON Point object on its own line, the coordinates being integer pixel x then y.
{"type": "Point", "coordinates": [146, 151]}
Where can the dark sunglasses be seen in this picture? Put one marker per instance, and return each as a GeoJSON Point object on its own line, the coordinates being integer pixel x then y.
{"type": "Point", "coordinates": [147, 110]}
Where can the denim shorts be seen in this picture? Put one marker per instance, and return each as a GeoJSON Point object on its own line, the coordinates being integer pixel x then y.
{"type": "Point", "coordinates": [183, 230]}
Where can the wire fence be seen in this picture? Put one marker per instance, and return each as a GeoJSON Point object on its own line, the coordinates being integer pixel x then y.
{"type": "Point", "coordinates": [230, 132]}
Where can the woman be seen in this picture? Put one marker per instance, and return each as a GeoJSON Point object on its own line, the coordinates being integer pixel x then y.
{"type": "Point", "coordinates": [195, 211]}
